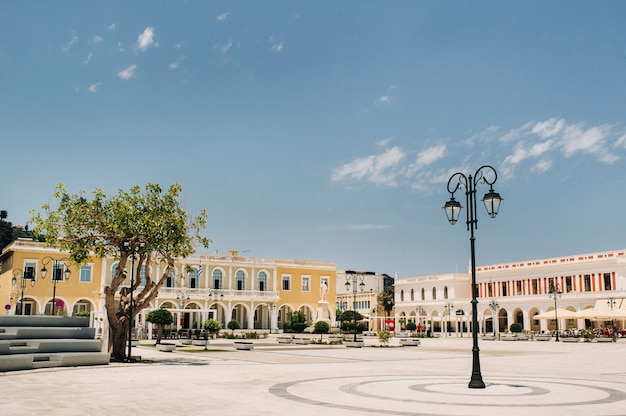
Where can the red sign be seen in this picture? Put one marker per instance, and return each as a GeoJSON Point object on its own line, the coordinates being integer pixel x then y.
{"type": "Point", "coordinates": [391, 324]}
{"type": "Point", "coordinates": [59, 303]}
{"type": "Point", "coordinates": [7, 307]}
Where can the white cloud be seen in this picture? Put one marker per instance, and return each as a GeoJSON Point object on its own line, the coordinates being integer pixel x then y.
{"type": "Point", "coordinates": [146, 39]}
{"type": "Point", "coordinates": [385, 141]}
{"type": "Point", "coordinates": [93, 88]}
{"type": "Point", "coordinates": [88, 59]}
{"type": "Point", "coordinates": [278, 47]}
{"type": "Point", "coordinates": [383, 99]}
{"type": "Point", "coordinates": [112, 27]}
{"type": "Point", "coordinates": [222, 17]}
{"type": "Point", "coordinates": [96, 40]}
{"type": "Point", "coordinates": [427, 157]}
{"type": "Point", "coordinates": [71, 43]}
{"type": "Point", "coordinates": [379, 169]}
{"type": "Point", "coordinates": [128, 73]}
{"type": "Point", "coordinates": [548, 128]}
{"type": "Point", "coordinates": [542, 166]}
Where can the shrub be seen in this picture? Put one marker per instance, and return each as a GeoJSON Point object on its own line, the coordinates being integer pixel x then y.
{"type": "Point", "coordinates": [212, 326]}
{"type": "Point", "coordinates": [322, 327]}
{"type": "Point", "coordinates": [234, 324]}
{"type": "Point", "coordinates": [410, 326]}
{"type": "Point", "coordinates": [516, 327]}
{"type": "Point", "coordinates": [383, 336]}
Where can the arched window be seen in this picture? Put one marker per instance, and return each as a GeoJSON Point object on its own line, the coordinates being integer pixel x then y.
{"type": "Point", "coordinates": [142, 276]}
{"type": "Point", "coordinates": [423, 294]}
{"type": "Point", "coordinates": [217, 279]}
{"type": "Point", "coordinates": [434, 293]}
{"type": "Point", "coordinates": [445, 292]}
{"type": "Point", "coordinates": [193, 278]}
{"type": "Point", "coordinates": [412, 295]}
{"type": "Point", "coordinates": [170, 279]}
{"type": "Point", "coordinates": [262, 281]}
{"type": "Point", "coordinates": [240, 279]}
{"type": "Point", "coordinates": [402, 296]}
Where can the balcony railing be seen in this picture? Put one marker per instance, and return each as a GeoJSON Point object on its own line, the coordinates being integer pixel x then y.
{"type": "Point", "coordinates": [229, 294]}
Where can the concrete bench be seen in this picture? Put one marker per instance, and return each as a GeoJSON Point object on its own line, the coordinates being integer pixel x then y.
{"type": "Point", "coordinates": [488, 337]}
{"type": "Point", "coordinates": [301, 341]}
{"type": "Point", "coordinates": [166, 347]}
{"type": "Point", "coordinates": [570, 339]}
{"type": "Point", "coordinates": [410, 342]}
{"type": "Point", "coordinates": [602, 339]}
{"type": "Point", "coordinates": [335, 338]}
{"type": "Point", "coordinates": [285, 340]}
{"type": "Point", "coordinates": [543, 337]}
{"type": "Point", "coordinates": [243, 345]}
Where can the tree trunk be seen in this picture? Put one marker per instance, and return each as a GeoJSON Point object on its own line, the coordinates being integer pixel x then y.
{"type": "Point", "coordinates": [119, 342]}
{"type": "Point", "coordinates": [159, 334]}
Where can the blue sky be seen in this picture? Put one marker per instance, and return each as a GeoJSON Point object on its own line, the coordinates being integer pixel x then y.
{"type": "Point", "coordinates": [328, 130]}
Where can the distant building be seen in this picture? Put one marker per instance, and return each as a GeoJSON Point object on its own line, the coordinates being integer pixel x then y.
{"type": "Point", "coordinates": [516, 292]}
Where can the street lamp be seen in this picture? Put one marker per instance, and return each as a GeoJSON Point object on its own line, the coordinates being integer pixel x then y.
{"type": "Point", "coordinates": [448, 308]}
{"type": "Point", "coordinates": [23, 276]}
{"type": "Point", "coordinates": [419, 311]}
{"type": "Point", "coordinates": [555, 292]}
{"type": "Point", "coordinates": [453, 209]}
{"type": "Point", "coordinates": [357, 279]}
{"type": "Point", "coordinates": [132, 247]}
{"type": "Point", "coordinates": [494, 306]}
{"type": "Point", "coordinates": [58, 275]}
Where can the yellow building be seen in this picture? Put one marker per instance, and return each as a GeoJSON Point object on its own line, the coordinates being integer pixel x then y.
{"type": "Point", "coordinates": [308, 287]}
{"type": "Point", "coordinates": [257, 292]}
{"type": "Point", "coordinates": [32, 276]}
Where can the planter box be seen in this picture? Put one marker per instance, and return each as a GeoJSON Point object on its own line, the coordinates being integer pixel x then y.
{"type": "Point", "coordinates": [301, 341]}
{"type": "Point", "coordinates": [410, 342]}
{"type": "Point", "coordinates": [166, 347]}
{"type": "Point", "coordinates": [353, 344]}
{"type": "Point", "coordinates": [508, 337]}
{"type": "Point", "coordinates": [488, 337]}
{"type": "Point", "coordinates": [284, 340]}
{"type": "Point", "coordinates": [543, 337]}
{"type": "Point", "coordinates": [604, 339]}
{"type": "Point", "coordinates": [570, 339]}
{"type": "Point", "coordinates": [243, 345]}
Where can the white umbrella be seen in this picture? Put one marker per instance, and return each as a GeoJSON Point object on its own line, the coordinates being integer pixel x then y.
{"type": "Point", "coordinates": [560, 313]}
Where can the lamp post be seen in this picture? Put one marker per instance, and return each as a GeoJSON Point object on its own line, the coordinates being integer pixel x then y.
{"type": "Point", "coordinates": [132, 247]}
{"type": "Point", "coordinates": [453, 209]}
{"type": "Point", "coordinates": [494, 306]}
{"type": "Point", "coordinates": [355, 279]}
{"type": "Point", "coordinates": [58, 275]}
{"type": "Point", "coordinates": [28, 275]}
{"type": "Point", "coordinates": [555, 292]}
{"type": "Point", "coordinates": [419, 311]}
{"type": "Point", "coordinates": [448, 308]}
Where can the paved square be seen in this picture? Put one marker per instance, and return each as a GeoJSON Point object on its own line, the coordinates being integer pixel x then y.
{"type": "Point", "coordinates": [521, 377]}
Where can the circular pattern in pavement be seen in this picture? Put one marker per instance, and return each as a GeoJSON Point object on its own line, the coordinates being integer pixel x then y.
{"type": "Point", "coordinates": [401, 395]}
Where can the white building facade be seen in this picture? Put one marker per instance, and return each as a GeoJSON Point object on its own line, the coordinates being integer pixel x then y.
{"type": "Point", "coordinates": [516, 292]}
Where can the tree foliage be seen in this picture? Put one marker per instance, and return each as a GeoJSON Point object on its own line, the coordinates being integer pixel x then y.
{"type": "Point", "coordinates": [233, 324]}
{"type": "Point", "coordinates": [386, 298]}
{"type": "Point", "coordinates": [160, 317]}
{"type": "Point", "coordinates": [212, 326]}
{"type": "Point", "coordinates": [151, 220]}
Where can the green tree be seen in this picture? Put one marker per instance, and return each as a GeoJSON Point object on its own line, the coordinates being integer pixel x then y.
{"type": "Point", "coordinates": [295, 322]}
{"type": "Point", "coordinates": [411, 326]}
{"type": "Point", "coordinates": [233, 324]}
{"type": "Point", "coordinates": [147, 223]}
{"type": "Point", "coordinates": [160, 317]}
{"type": "Point", "coordinates": [321, 327]}
{"type": "Point", "coordinates": [212, 326]}
{"type": "Point", "coordinates": [386, 299]}
{"type": "Point", "coordinates": [516, 327]}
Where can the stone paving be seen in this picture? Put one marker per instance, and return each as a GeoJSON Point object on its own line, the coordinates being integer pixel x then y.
{"type": "Point", "coordinates": [521, 377]}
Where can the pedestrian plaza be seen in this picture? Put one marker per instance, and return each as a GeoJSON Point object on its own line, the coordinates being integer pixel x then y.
{"type": "Point", "coordinates": [521, 377]}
